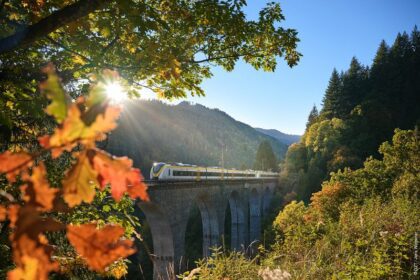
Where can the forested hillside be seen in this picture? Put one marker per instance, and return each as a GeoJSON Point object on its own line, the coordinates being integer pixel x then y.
{"type": "Point", "coordinates": [282, 137]}
{"type": "Point", "coordinates": [361, 108]}
{"type": "Point", "coordinates": [154, 131]}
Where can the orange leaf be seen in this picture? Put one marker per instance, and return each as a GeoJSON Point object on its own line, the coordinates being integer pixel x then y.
{"type": "Point", "coordinates": [38, 192]}
{"type": "Point", "coordinates": [28, 270]}
{"type": "Point", "coordinates": [65, 136]}
{"type": "Point", "coordinates": [79, 183]}
{"type": "Point", "coordinates": [119, 173]}
{"type": "Point", "coordinates": [3, 213]}
{"type": "Point", "coordinates": [14, 163]}
{"type": "Point", "coordinates": [31, 252]}
{"type": "Point", "coordinates": [74, 130]}
{"type": "Point", "coordinates": [99, 247]}
{"type": "Point", "coordinates": [105, 122]}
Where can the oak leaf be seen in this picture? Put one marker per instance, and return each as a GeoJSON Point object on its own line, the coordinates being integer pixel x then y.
{"type": "Point", "coordinates": [53, 90]}
{"type": "Point", "coordinates": [28, 270]}
{"type": "Point", "coordinates": [65, 136]}
{"type": "Point", "coordinates": [31, 252]}
{"type": "Point", "coordinates": [79, 183]}
{"type": "Point", "coordinates": [73, 130]}
{"type": "Point", "coordinates": [104, 122]}
{"type": "Point", "coordinates": [37, 192]}
{"type": "Point", "coordinates": [99, 247]}
{"type": "Point", "coordinates": [3, 213]}
{"type": "Point", "coordinates": [119, 173]}
{"type": "Point", "coordinates": [14, 163]}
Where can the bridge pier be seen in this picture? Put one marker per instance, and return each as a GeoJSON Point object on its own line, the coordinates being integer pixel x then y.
{"type": "Point", "coordinates": [163, 246]}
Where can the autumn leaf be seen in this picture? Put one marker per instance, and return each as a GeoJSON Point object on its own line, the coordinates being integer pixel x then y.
{"type": "Point", "coordinates": [14, 163]}
{"type": "Point", "coordinates": [105, 122]}
{"type": "Point", "coordinates": [99, 247]}
{"type": "Point", "coordinates": [119, 173]}
{"type": "Point", "coordinates": [64, 137]}
{"type": "Point", "coordinates": [31, 252]}
{"type": "Point", "coordinates": [74, 130]}
{"type": "Point", "coordinates": [3, 213]}
{"type": "Point", "coordinates": [51, 87]}
{"type": "Point", "coordinates": [28, 270]}
{"type": "Point", "coordinates": [37, 192]}
{"type": "Point", "coordinates": [79, 183]}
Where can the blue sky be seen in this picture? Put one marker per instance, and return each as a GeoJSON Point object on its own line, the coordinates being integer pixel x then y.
{"type": "Point", "coordinates": [331, 33]}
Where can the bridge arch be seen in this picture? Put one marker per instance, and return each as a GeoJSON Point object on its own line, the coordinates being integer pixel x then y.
{"type": "Point", "coordinates": [210, 223]}
{"type": "Point", "coordinates": [238, 226]}
{"type": "Point", "coordinates": [163, 242]}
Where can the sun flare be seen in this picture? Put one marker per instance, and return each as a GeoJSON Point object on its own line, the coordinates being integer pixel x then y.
{"type": "Point", "coordinates": [115, 92]}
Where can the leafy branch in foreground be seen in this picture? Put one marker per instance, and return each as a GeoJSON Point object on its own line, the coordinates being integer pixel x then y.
{"type": "Point", "coordinates": [32, 207]}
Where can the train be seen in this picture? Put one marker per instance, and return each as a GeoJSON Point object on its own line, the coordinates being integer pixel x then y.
{"type": "Point", "coordinates": [162, 171]}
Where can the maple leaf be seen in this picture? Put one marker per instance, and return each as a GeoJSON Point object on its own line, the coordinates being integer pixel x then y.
{"type": "Point", "coordinates": [119, 173]}
{"type": "Point", "coordinates": [14, 163]}
{"type": "Point", "coordinates": [31, 252]}
{"type": "Point", "coordinates": [37, 191]}
{"type": "Point", "coordinates": [79, 183]}
{"type": "Point", "coordinates": [99, 247]}
{"type": "Point", "coordinates": [53, 90]}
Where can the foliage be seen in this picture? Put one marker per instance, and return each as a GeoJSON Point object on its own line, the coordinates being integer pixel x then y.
{"type": "Point", "coordinates": [265, 158]}
{"type": "Point", "coordinates": [361, 225]}
{"type": "Point", "coordinates": [37, 208]}
{"type": "Point", "coordinates": [361, 108]}
{"type": "Point", "coordinates": [232, 265]}
{"type": "Point", "coordinates": [163, 46]}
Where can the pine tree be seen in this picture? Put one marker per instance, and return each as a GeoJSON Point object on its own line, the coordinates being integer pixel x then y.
{"type": "Point", "coordinates": [265, 159]}
{"type": "Point", "coordinates": [331, 100]}
{"type": "Point", "coordinates": [354, 88]}
{"type": "Point", "coordinates": [312, 118]}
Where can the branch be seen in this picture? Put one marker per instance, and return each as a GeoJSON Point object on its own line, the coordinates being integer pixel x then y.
{"type": "Point", "coordinates": [57, 19]}
{"type": "Point", "coordinates": [2, 4]}
{"type": "Point", "coordinates": [61, 45]}
{"type": "Point", "coordinates": [209, 59]}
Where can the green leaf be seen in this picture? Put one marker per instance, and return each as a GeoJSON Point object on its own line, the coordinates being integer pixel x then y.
{"type": "Point", "coordinates": [51, 87]}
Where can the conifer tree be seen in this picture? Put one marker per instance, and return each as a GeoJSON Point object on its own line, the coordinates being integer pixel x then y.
{"type": "Point", "coordinates": [331, 100]}
{"type": "Point", "coordinates": [354, 88]}
{"type": "Point", "coordinates": [312, 118]}
{"type": "Point", "coordinates": [265, 159]}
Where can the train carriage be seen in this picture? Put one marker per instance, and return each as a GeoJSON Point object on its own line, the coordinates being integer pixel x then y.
{"type": "Point", "coordinates": [178, 171]}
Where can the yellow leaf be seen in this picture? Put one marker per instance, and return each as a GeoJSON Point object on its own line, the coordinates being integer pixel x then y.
{"type": "Point", "coordinates": [52, 88]}
{"type": "Point", "coordinates": [79, 183]}
{"type": "Point", "coordinates": [105, 32]}
{"type": "Point", "coordinates": [79, 60]}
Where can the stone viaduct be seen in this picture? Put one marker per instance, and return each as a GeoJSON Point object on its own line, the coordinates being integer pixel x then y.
{"type": "Point", "coordinates": [168, 211]}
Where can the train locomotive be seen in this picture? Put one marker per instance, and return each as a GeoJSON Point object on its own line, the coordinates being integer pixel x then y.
{"type": "Point", "coordinates": [178, 171]}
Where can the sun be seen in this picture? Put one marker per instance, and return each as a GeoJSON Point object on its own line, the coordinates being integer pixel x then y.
{"type": "Point", "coordinates": [115, 92]}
